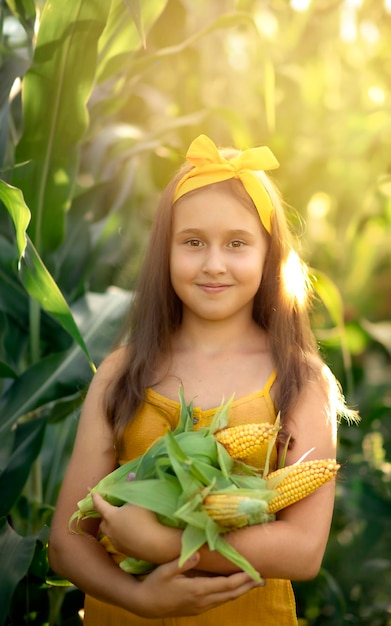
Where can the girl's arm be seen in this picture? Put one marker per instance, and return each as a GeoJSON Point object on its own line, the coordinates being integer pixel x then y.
{"type": "Point", "coordinates": [83, 561]}
{"type": "Point", "coordinates": [291, 547]}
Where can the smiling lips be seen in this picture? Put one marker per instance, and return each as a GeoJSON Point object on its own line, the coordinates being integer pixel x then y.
{"type": "Point", "coordinates": [213, 287]}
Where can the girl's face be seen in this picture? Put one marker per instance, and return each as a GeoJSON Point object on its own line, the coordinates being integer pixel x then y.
{"type": "Point", "coordinates": [218, 250]}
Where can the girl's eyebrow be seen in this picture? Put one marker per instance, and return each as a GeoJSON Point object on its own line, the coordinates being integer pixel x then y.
{"type": "Point", "coordinates": [236, 232]}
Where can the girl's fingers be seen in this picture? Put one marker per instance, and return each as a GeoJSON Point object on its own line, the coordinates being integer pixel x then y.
{"type": "Point", "coordinates": [100, 504]}
{"type": "Point", "coordinates": [189, 564]}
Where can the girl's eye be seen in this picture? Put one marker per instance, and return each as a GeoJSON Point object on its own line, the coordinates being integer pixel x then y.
{"type": "Point", "coordinates": [194, 243]}
{"type": "Point", "coordinates": [236, 243]}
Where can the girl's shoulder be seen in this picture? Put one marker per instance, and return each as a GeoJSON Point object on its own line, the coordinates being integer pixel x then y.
{"type": "Point", "coordinates": [113, 363]}
{"type": "Point", "coordinates": [108, 371]}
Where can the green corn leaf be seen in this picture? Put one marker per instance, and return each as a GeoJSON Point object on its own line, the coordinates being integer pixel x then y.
{"type": "Point", "coordinates": [159, 496]}
{"type": "Point", "coordinates": [136, 567]}
{"type": "Point", "coordinates": [192, 539]}
{"type": "Point", "coordinates": [220, 419]}
{"type": "Point", "coordinates": [199, 445]}
{"type": "Point", "coordinates": [35, 277]}
{"type": "Point", "coordinates": [155, 455]}
{"type": "Point", "coordinates": [192, 513]}
{"type": "Point", "coordinates": [16, 555]}
{"type": "Point", "coordinates": [181, 465]}
{"type": "Point", "coordinates": [135, 8]}
{"type": "Point", "coordinates": [270, 446]}
{"type": "Point", "coordinates": [141, 64]}
{"type": "Point", "coordinates": [86, 506]}
{"type": "Point", "coordinates": [185, 415]}
{"type": "Point", "coordinates": [234, 556]}
{"type": "Point", "coordinates": [248, 482]}
{"type": "Point", "coordinates": [173, 478]}
{"type": "Point", "coordinates": [56, 90]}
{"type": "Point", "coordinates": [213, 532]}
{"type": "Point", "coordinates": [194, 468]}
{"type": "Point", "coordinates": [285, 452]}
{"type": "Point", "coordinates": [124, 34]}
{"type": "Point", "coordinates": [274, 481]}
{"type": "Point", "coordinates": [208, 475]}
{"type": "Point", "coordinates": [225, 461]}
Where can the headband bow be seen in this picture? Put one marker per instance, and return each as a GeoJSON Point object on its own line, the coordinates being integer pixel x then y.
{"type": "Point", "coordinates": [211, 167]}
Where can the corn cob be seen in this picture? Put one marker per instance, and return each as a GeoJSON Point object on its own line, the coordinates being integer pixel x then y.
{"type": "Point", "coordinates": [294, 482]}
{"type": "Point", "coordinates": [231, 510]}
{"type": "Point", "coordinates": [246, 439]}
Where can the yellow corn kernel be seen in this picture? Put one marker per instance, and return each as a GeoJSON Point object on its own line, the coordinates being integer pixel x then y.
{"type": "Point", "coordinates": [230, 510]}
{"type": "Point", "coordinates": [246, 439]}
{"type": "Point", "coordinates": [295, 482]}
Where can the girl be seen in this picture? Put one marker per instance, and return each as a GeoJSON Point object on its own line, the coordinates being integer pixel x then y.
{"type": "Point", "coordinates": [221, 308]}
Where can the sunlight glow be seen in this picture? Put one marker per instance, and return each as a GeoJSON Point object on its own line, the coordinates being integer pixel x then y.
{"type": "Point", "coordinates": [376, 94]}
{"type": "Point", "coordinates": [353, 4]}
{"type": "Point", "coordinates": [348, 26]}
{"type": "Point", "coordinates": [15, 89]}
{"type": "Point", "coordinates": [319, 205]}
{"type": "Point", "coordinates": [370, 32]}
{"type": "Point", "coordinates": [236, 45]}
{"type": "Point", "coordinates": [295, 278]}
{"type": "Point", "coordinates": [318, 210]}
{"type": "Point", "coordinates": [300, 5]}
{"type": "Point", "coordinates": [266, 22]}
{"type": "Point", "coordinates": [387, 5]}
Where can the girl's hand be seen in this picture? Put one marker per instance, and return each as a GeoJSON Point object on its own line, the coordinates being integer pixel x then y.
{"type": "Point", "coordinates": [136, 532]}
{"type": "Point", "coordinates": [168, 591]}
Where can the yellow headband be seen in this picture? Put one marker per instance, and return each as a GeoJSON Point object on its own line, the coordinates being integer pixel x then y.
{"type": "Point", "coordinates": [210, 167]}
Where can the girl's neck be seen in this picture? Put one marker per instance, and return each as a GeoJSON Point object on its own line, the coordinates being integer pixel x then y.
{"type": "Point", "coordinates": [212, 361]}
{"type": "Point", "coordinates": [213, 338]}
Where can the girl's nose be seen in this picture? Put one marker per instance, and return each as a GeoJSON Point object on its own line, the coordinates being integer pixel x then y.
{"type": "Point", "coordinates": [214, 262]}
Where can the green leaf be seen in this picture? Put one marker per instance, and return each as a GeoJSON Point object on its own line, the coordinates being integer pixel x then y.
{"type": "Point", "coordinates": [159, 496]}
{"type": "Point", "coordinates": [56, 89]}
{"type": "Point", "coordinates": [228, 20]}
{"type": "Point", "coordinates": [182, 466]}
{"type": "Point", "coordinates": [135, 9]}
{"type": "Point", "coordinates": [192, 539]}
{"type": "Point", "coordinates": [6, 371]}
{"type": "Point", "coordinates": [13, 201]}
{"type": "Point", "coordinates": [27, 446]}
{"type": "Point", "coordinates": [43, 382]}
{"type": "Point", "coordinates": [330, 296]}
{"type": "Point", "coordinates": [121, 36]}
{"type": "Point", "coordinates": [33, 273]}
{"type": "Point", "coordinates": [13, 298]}
{"type": "Point", "coordinates": [384, 184]}
{"type": "Point", "coordinates": [134, 566]}
{"type": "Point", "coordinates": [16, 554]}
{"type": "Point", "coordinates": [59, 375]}
{"type": "Point", "coordinates": [380, 331]}
{"type": "Point", "coordinates": [6, 447]}
{"type": "Point", "coordinates": [234, 556]}
{"type": "Point", "coordinates": [23, 9]}
{"type": "Point", "coordinates": [332, 300]}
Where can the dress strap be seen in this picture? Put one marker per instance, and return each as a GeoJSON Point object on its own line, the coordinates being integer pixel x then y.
{"type": "Point", "coordinates": [270, 381]}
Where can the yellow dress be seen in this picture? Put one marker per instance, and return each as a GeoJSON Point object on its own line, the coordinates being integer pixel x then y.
{"type": "Point", "coordinates": [272, 605]}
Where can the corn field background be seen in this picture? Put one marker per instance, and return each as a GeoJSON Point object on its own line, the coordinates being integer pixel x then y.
{"type": "Point", "coordinates": [98, 103]}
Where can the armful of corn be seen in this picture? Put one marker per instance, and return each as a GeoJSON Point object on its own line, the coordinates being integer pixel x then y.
{"type": "Point", "coordinates": [199, 481]}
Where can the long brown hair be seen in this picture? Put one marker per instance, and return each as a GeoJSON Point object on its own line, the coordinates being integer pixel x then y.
{"type": "Point", "coordinates": [156, 311]}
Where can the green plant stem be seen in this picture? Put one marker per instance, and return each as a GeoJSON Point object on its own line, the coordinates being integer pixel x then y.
{"type": "Point", "coordinates": [56, 597]}
{"type": "Point", "coordinates": [34, 490]}
{"type": "Point", "coordinates": [35, 339]}
{"type": "Point", "coordinates": [34, 485]}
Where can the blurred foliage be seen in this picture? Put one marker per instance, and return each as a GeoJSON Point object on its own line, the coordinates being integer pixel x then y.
{"type": "Point", "coordinates": [98, 104]}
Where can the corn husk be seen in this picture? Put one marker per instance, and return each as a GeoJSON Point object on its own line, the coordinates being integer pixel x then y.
{"type": "Point", "coordinates": [173, 478]}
